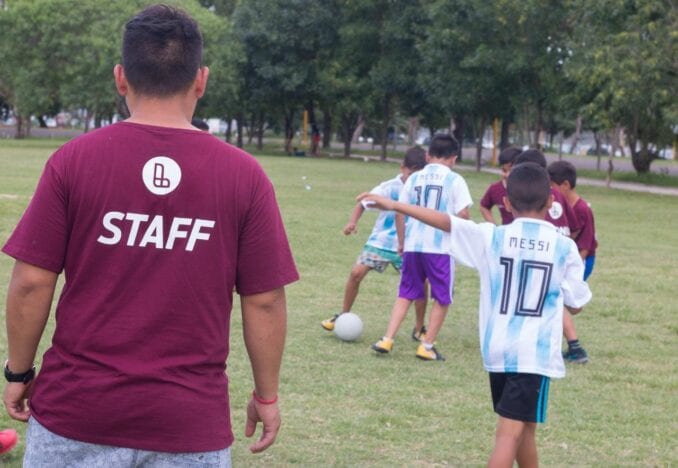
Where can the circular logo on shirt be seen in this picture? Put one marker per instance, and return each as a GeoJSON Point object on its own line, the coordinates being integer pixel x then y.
{"type": "Point", "coordinates": [161, 175]}
{"type": "Point", "coordinates": [556, 210]}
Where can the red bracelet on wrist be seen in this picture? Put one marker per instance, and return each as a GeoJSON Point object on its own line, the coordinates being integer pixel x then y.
{"type": "Point", "coordinates": [261, 401]}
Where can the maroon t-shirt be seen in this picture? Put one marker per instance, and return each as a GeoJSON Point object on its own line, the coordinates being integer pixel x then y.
{"type": "Point", "coordinates": [586, 239]}
{"type": "Point", "coordinates": [494, 196]}
{"type": "Point", "coordinates": [561, 215]}
{"type": "Point", "coordinates": [153, 228]}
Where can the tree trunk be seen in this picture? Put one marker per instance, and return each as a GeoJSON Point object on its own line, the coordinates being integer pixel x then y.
{"type": "Point", "coordinates": [480, 133]}
{"type": "Point", "coordinates": [412, 130]}
{"type": "Point", "coordinates": [239, 129]}
{"type": "Point", "coordinates": [347, 132]}
{"type": "Point", "coordinates": [20, 132]}
{"type": "Point", "coordinates": [229, 128]}
{"type": "Point", "coordinates": [505, 129]}
{"type": "Point", "coordinates": [540, 125]}
{"type": "Point", "coordinates": [327, 128]}
{"type": "Point", "coordinates": [577, 134]}
{"type": "Point", "coordinates": [560, 145]}
{"type": "Point", "coordinates": [358, 130]}
{"type": "Point", "coordinates": [458, 133]}
{"type": "Point", "coordinates": [260, 131]}
{"type": "Point", "coordinates": [251, 128]}
{"type": "Point", "coordinates": [289, 131]}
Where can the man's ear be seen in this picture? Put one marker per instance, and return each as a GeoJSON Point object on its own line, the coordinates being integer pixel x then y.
{"type": "Point", "coordinates": [200, 85]}
{"type": "Point", "coordinates": [120, 80]}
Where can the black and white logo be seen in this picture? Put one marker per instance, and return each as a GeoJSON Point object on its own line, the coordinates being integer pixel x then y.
{"type": "Point", "coordinates": [161, 175]}
{"type": "Point", "coordinates": [556, 210]}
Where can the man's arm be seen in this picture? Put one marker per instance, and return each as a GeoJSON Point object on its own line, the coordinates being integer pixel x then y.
{"type": "Point", "coordinates": [433, 218]}
{"type": "Point", "coordinates": [29, 299]}
{"type": "Point", "coordinates": [487, 215]}
{"type": "Point", "coordinates": [264, 319]}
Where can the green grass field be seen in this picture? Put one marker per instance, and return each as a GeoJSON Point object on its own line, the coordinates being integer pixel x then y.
{"type": "Point", "coordinates": [344, 406]}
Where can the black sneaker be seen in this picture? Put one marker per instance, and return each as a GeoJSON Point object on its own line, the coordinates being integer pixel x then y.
{"type": "Point", "coordinates": [576, 355]}
{"type": "Point", "coordinates": [418, 335]}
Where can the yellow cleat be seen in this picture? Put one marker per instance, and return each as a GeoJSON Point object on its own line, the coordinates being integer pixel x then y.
{"type": "Point", "coordinates": [429, 355]}
{"type": "Point", "coordinates": [329, 323]}
{"type": "Point", "coordinates": [383, 346]}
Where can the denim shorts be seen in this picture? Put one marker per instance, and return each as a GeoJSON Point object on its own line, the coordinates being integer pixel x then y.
{"type": "Point", "coordinates": [44, 449]}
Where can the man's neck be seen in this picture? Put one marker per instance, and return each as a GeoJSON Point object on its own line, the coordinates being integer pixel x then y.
{"type": "Point", "coordinates": [449, 162]}
{"type": "Point", "coordinates": [173, 112]}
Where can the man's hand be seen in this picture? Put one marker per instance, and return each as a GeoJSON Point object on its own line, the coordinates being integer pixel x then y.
{"type": "Point", "coordinates": [15, 399]}
{"type": "Point", "coordinates": [375, 201]}
{"type": "Point", "coordinates": [269, 415]}
{"type": "Point", "coordinates": [350, 228]}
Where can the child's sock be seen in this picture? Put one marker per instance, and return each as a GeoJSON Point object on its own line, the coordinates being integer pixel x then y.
{"type": "Point", "coordinates": [428, 346]}
{"type": "Point", "coordinates": [573, 344]}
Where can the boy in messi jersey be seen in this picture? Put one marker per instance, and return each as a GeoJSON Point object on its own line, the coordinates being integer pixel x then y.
{"type": "Point", "coordinates": [564, 179]}
{"type": "Point", "coordinates": [381, 248]}
{"type": "Point", "coordinates": [528, 271]}
{"type": "Point", "coordinates": [425, 249]}
{"type": "Point", "coordinates": [496, 192]}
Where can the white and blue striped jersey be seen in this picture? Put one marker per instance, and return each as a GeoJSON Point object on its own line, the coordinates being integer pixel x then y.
{"type": "Point", "coordinates": [384, 234]}
{"type": "Point", "coordinates": [527, 272]}
{"type": "Point", "coordinates": [437, 187]}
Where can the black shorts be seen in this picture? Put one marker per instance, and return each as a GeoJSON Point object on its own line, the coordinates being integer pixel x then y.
{"type": "Point", "coordinates": [522, 397]}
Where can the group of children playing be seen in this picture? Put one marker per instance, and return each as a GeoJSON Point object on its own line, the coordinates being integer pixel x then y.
{"type": "Point", "coordinates": [532, 271]}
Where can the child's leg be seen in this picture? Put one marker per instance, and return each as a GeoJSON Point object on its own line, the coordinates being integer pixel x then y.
{"type": "Point", "coordinates": [435, 322]}
{"type": "Point", "coordinates": [398, 314]}
{"type": "Point", "coordinates": [508, 439]}
{"type": "Point", "coordinates": [420, 309]}
{"type": "Point", "coordinates": [527, 450]}
{"type": "Point", "coordinates": [568, 326]}
{"type": "Point", "coordinates": [357, 274]}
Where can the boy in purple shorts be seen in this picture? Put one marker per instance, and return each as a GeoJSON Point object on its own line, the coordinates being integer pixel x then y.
{"type": "Point", "coordinates": [564, 179]}
{"type": "Point", "coordinates": [496, 192]}
{"type": "Point", "coordinates": [381, 248]}
{"type": "Point", "coordinates": [528, 273]}
{"type": "Point", "coordinates": [426, 249]}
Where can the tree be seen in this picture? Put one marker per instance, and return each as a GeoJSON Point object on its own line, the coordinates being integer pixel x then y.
{"type": "Point", "coordinates": [282, 40]}
{"type": "Point", "coordinates": [625, 58]}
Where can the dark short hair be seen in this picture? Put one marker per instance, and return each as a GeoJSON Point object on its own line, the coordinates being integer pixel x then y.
{"type": "Point", "coordinates": [531, 155]}
{"type": "Point", "coordinates": [443, 146]}
{"type": "Point", "coordinates": [528, 187]}
{"type": "Point", "coordinates": [509, 155]}
{"type": "Point", "coordinates": [415, 158]}
{"type": "Point", "coordinates": [161, 51]}
{"type": "Point", "coordinates": [561, 171]}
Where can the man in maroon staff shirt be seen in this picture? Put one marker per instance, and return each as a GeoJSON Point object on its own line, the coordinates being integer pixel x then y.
{"type": "Point", "coordinates": [153, 223]}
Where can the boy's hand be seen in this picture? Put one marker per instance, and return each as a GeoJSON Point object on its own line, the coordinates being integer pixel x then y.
{"type": "Point", "coordinates": [350, 228]}
{"type": "Point", "coordinates": [375, 201]}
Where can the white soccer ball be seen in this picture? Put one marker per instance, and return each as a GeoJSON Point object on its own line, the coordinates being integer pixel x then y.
{"type": "Point", "coordinates": [348, 327]}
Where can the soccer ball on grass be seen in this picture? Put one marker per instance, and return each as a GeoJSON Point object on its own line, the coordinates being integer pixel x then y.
{"type": "Point", "coordinates": [348, 327]}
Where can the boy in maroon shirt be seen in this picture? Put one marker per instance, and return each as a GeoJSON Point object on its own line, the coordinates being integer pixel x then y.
{"type": "Point", "coordinates": [564, 179]}
{"type": "Point", "coordinates": [153, 223]}
{"type": "Point", "coordinates": [496, 192]}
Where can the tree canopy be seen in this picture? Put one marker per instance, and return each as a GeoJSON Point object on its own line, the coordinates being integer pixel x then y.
{"type": "Point", "coordinates": [538, 66]}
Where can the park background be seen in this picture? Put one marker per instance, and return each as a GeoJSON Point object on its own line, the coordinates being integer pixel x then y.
{"type": "Point", "coordinates": [371, 75]}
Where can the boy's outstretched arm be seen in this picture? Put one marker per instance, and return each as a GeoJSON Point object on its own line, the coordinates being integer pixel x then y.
{"type": "Point", "coordinates": [433, 218]}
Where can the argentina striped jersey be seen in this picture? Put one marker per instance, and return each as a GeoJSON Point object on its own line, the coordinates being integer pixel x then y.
{"type": "Point", "coordinates": [383, 234]}
{"type": "Point", "coordinates": [437, 187]}
{"type": "Point", "coordinates": [527, 272]}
